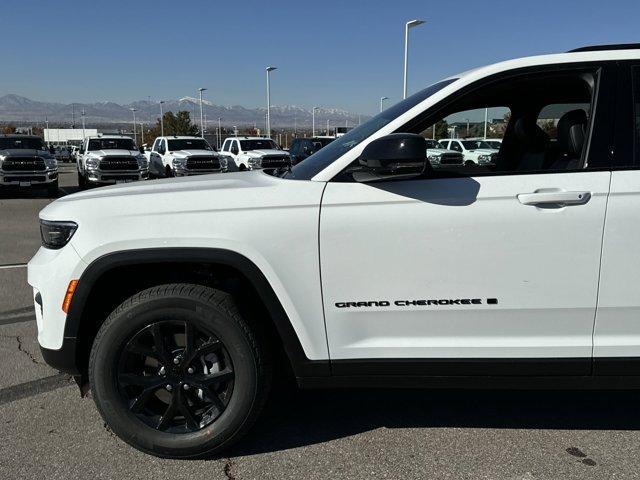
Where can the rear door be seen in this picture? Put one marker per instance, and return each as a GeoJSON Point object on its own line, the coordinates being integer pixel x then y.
{"type": "Point", "coordinates": [617, 328]}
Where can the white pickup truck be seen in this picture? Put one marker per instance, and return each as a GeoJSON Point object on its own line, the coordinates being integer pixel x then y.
{"type": "Point", "coordinates": [255, 153]}
{"type": "Point", "coordinates": [181, 156]}
{"type": "Point", "coordinates": [109, 159]}
{"type": "Point", "coordinates": [177, 301]}
{"type": "Point", "coordinates": [473, 151]}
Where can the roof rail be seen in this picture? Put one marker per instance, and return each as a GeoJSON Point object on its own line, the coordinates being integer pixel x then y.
{"type": "Point", "coordinates": [600, 48]}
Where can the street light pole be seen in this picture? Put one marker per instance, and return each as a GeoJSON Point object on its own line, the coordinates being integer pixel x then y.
{"type": "Point", "coordinates": [135, 137]}
{"type": "Point", "coordinates": [313, 121]}
{"type": "Point", "coordinates": [269, 70]}
{"type": "Point", "coordinates": [83, 135]}
{"type": "Point", "coordinates": [486, 118]}
{"type": "Point", "coordinates": [409, 25]}
{"type": "Point", "coordinates": [201, 117]}
{"type": "Point", "coordinates": [219, 132]}
{"type": "Point", "coordinates": [142, 133]}
{"type": "Point", "coordinates": [161, 119]}
{"type": "Point", "coordinates": [382, 99]}
{"type": "Point", "coordinates": [327, 126]}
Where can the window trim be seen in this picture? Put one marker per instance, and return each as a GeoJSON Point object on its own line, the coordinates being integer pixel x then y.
{"type": "Point", "coordinates": [603, 107]}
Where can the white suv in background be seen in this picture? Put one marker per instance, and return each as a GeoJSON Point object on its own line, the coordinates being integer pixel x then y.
{"type": "Point", "coordinates": [255, 153]}
{"type": "Point", "coordinates": [181, 156]}
{"type": "Point", "coordinates": [476, 151]}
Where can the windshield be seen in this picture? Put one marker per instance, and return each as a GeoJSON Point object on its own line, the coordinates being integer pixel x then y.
{"type": "Point", "coordinates": [433, 144]}
{"type": "Point", "coordinates": [321, 142]}
{"type": "Point", "coordinates": [266, 144]}
{"type": "Point", "coordinates": [189, 144]}
{"type": "Point", "coordinates": [320, 160]}
{"type": "Point", "coordinates": [111, 144]}
{"type": "Point", "coordinates": [27, 143]}
{"type": "Point", "coordinates": [473, 144]}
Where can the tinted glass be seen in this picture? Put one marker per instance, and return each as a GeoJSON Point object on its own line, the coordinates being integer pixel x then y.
{"type": "Point", "coordinates": [266, 144]}
{"type": "Point", "coordinates": [111, 144]}
{"type": "Point", "coordinates": [326, 156]}
{"type": "Point", "coordinates": [473, 144]}
{"type": "Point", "coordinates": [189, 144]}
{"type": "Point", "coordinates": [26, 143]}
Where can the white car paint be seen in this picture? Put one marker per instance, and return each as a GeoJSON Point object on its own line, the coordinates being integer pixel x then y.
{"type": "Point", "coordinates": [459, 238]}
{"type": "Point", "coordinates": [163, 159]}
{"type": "Point", "coordinates": [250, 159]}
{"type": "Point", "coordinates": [88, 163]}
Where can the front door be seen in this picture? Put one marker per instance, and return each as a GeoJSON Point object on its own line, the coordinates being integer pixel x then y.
{"type": "Point", "coordinates": [474, 270]}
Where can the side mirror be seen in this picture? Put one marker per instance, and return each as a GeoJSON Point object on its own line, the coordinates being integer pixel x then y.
{"type": "Point", "coordinates": [394, 155]}
{"type": "Point", "coordinates": [141, 149]}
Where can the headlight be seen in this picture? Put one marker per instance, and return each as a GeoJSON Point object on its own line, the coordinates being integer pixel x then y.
{"type": "Point", "coordinates": [142, 162]}
{"type": "Point", "coordinates": [434, 159]}
{"type": "Point", "coordinates": [255, 162]}
{"type": "Point", "coordinates": [178, 162]}
{"type": "Point", "coordinates": [56, 235]}
{"type": "Point", "coordinates": [50, 162]}
{"type": "Point", "coordinates": [484, 158]}
{"type": "Point", "coordinates": [92, 163]}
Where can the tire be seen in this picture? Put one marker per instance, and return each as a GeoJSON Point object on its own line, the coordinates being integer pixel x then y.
{"type": "Point", "coordinates": [52, 189]}
{"type": "Point", "coordinates": [168, 172]}
{"type": "Point", "coordinates": [82, 182]}
{"type": "Point", "coordinates": [242, 168]}
{"type": "Point", "coordinates": [166, 308]}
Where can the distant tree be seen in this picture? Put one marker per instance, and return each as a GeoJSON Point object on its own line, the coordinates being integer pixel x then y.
{"type": "Point", "coordinates": [9, 128]}
{"type": "Point", "coordinates": [174, 124]}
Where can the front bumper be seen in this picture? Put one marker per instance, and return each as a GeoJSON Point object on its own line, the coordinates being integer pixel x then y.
{"type": "Point", "coordinates": [26, 178]}
{"type": "Point", "coordinates": [116, 176]}
{"type": "Point", "coordinates": [63, 359]}
{"type": "Point", "coordinates": [49, 274]}
{"type": "Point", "coordinates": [183, 172]}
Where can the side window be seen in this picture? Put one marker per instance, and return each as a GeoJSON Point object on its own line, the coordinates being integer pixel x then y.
{"type": "Point", "coordinates": [295, 147]}
{"type": "Point", "coordinates": [236, 144]}
{"type": "Point", "coordinates": [444, 144]}
{"type": "Point", "coordinates": [225, 145]}
{"type": "Point", "coordinates": [155, 145]}
{"type": "Point", "coordinates": [541, 120]}
{"type": "Point", "coordinates": [455, 146]}
{"type": "Point", "coordinates": [636, 115]}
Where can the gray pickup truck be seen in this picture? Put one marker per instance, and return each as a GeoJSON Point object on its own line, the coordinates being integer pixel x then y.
{"type": "Point", "coordinates": [25, 162]}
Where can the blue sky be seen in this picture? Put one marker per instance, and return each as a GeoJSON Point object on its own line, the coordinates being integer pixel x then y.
{"type": "Point", "coordinates": [344, 54]}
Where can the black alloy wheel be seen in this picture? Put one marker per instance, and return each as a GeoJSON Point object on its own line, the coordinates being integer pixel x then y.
{"type": "Point", "coordinates": [175, 377]}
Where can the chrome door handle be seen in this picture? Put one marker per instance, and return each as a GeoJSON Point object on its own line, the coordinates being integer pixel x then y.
{"type": "Point", "coordinates": [554, 197]}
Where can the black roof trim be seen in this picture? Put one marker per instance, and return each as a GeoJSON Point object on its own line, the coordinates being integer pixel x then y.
{"type": "Point", "coordinates": [600, 48]}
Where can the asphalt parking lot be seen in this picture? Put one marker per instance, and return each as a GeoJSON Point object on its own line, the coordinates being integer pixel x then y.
{"type": "Point", "coordinates": [48, 431]}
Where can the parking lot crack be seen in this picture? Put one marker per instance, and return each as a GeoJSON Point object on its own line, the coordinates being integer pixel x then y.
{"type": "Point", "coordinates": [229, 469]}
{"type": "Point", "coordinates": [22, 349]}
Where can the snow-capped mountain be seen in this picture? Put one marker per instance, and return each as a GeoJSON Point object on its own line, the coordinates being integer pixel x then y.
{"type": "Point", "coordinates": [15, 108]}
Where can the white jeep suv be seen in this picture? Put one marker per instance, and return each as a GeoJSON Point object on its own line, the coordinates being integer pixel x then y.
{"type": "Point", "coordinates": [180, 156]}
{"type": "Point", "coordinates": [255, 153]}
{"type": "Point", "coordinates": [365, 265]}
{"type": "Point", "coordinates": [108, 159]}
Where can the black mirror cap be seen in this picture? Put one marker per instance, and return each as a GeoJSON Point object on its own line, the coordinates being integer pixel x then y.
{"type": "Point", "coordinates": [398, 153]}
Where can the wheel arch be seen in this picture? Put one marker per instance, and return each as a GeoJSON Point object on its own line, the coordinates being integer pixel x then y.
{"type": "Point", "coordinates": [182, 260]}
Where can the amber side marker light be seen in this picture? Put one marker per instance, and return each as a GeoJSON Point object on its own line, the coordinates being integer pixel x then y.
{"type": "Point", "coordinates": [69, 295]}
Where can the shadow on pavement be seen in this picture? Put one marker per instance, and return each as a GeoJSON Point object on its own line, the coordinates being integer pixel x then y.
{"type": "Point", "coordinates": [303, 418]}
